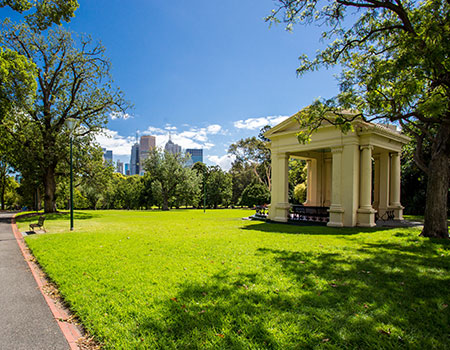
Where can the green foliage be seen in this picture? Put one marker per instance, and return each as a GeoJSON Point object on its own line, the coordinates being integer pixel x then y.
{"type": "Point", "coordinates": [43, 13]}
{"type": "Point", "coordinates": [242, 175]}
{"type": "Point", "coordinates": [218, 188]}
{"type": "Point", "coordinates": [17, 82]}
{"type": "Point", "coordinates": [11, 197]}
{"type": "Point", "coordinates": [191, 280]}
{"type": "Point", "coordinates": [253, 153]}
{"type": "Point", "coordinates": [255, 194]}
{"type": "Point", "coordinates": [95, 179]}
{"type": "Point", "coordinates": [171, 181]}
{"type": "Point", "coordinates": [300, 193]}
{"type": "Point", "coordinates": [188, 192]}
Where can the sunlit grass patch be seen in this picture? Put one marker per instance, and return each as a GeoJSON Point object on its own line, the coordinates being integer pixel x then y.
{"type": "Point", "coordinates": [192, 280]}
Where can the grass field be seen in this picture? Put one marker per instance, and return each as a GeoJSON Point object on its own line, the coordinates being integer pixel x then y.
{"type": "Point", "coordinates": [188, 280]}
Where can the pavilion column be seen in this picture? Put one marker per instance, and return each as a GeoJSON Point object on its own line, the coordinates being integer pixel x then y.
{"type": "Point", "coordinates": [279, 206]}
{"type": "Point", "coordinates": [376, 182]}
{"type": "Point", "coordinates": [309, 182]}
{"type": "Point", "coordinates": [366, 214]}
{"type": "Point", "coordinates": [395, 186]}
{"type": "Point", "coordinates": [336, 211]}
{"type": "Point", "coordinates": [312, 182]}
{"type": "Point", "coordinates": [384, 186]}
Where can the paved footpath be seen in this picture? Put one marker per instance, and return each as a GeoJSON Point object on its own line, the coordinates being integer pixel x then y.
{"type": "Point", "coordinates": [26, 321]}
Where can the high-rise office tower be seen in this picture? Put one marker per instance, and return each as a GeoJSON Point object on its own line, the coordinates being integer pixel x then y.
{"type": "Point", "coordinates": [127, 169]}
{"type": "Point", "coordinates": [196, 154]}
{"type": "Point", "coordinates": [119, 167]}
{"type": "Point", "coordinates": [147, 142]}
{"type": "Point", "coordinates": [108, 156]}
{"type": "Point", "coordinates": [172, 147]}
{"type": "Point", "coordinates": [134, 160]}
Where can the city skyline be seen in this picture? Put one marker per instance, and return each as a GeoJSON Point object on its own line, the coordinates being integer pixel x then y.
{"type": "Point", "coordinates": [139, 153]}
{"type": "Point", "coordinates": [208, 73]}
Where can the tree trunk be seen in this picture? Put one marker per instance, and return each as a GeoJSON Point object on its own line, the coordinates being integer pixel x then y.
{"type": "Point", "coordinates": [2, 184]}
{"type": "Point", "coordinates": [49, 190]}
{"type": "Point", "coordinates": [165, 204]}
{"type": "Point", "coordinates": [435, 225]}
{"type": "Point", "coordinates": [2, 195]}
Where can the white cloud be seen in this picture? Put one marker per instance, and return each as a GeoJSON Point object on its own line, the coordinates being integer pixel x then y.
{"type": "Point", "coordinates": [111, 140]}
{"type": "Point", "coordinates": [224, 162]}
{"type": "Point", "coordinates": [213, 129]}
{"type": "Point", "coordinates": [119, 115]}
{"type": "Point", "coordinates": [258, 123]}
{"type": "Point", "coordinates": [170, 127]}
{"type": "Point", "coordinates": [151, 130]}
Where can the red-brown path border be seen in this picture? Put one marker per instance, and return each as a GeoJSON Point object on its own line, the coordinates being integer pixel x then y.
{"type": "Point", "coordinates": [70, 331]}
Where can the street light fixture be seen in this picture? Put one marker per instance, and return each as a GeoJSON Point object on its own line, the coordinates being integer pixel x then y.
{"type": "Point", "coordinates": [71, 125]}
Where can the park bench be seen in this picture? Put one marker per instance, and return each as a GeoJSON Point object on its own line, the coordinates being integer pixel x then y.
{"type": "Point", "coordinates": [40, 224]}
{"type": "Point", "coordinates": [261, 211]}
{"type": "Point", "coordinates": [302, 213]}
{"type": "Point", "coordinates": [387, 216]}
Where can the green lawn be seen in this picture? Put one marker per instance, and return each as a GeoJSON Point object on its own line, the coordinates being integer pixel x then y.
{"type": "Point", "coordinates": [188, 280]}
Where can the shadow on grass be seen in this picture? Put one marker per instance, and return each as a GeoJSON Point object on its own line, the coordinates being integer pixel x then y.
{"type": "Point", "coordinates": [309, 230]}
{"type": "Point", "coordinates": [77, 215]}
{"type": "Point", "coordinates": [379, 296]}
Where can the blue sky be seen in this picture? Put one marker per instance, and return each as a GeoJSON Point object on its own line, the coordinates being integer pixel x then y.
{"type": "Point", "coordinates": [209, 72]}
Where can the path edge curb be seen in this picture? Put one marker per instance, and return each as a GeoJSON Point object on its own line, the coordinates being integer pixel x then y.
{"type": "Point", "coordinates": [69, 330]}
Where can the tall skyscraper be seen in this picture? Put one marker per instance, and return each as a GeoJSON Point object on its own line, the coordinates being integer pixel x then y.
{"type": "Point", "coordinates": [172, 147]}
{"type": "Point", "coordinates": [108, 156]}
{"type": "Point", "coordinates": [196, 154]}
{"type": "Point", "coordinates": [119, 167]}
{"type": "Point", "coordinates": [134, 160]}
{"type": "Point", "coordinates": [147, 142]}
{"type": "Point", "coordinates": [127, 169]}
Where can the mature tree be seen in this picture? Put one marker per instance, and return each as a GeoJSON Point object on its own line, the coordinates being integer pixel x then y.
{"type": "Point", "coordinates": [167, 171]}
{"type": "Point", "coordinates": [95, 179]}
{"type": "Point", "coordinates": [255, 194]}
{"type": "Point", "coordinates": [41, 14]}
{"type": "Point", "coordinates": [73, 82]}
{"type": "Point", "coordinates": [188, 192]}
{"type": "Point", "coordinates": [242, 175]}
{"type": "Point", "coordinates": [396, 67]}
{"type": "Point", "coordinates": [17, 73]}
{"type": "Point", "coordinates": [4, 175]}
{"type": "Point", "coordinates": [146, 198]}
{"type": "Point", "coordinates": [218, 187]}
{"type": "Point", "coordinates": [253, 152]}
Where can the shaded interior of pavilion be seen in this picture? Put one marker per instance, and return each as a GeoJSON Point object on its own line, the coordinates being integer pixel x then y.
{"type": "Point", "coordinates": [384, 192]}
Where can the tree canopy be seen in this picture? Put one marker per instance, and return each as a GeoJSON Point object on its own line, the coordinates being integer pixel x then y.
{"type": "Point", "coordinates": [395, 67]}
{"type": "Point", "coordinates": [73, 82]}
{"type": "Point", "coordinates": [42, 14]}
{"type": "Point", "coordinates": [252, 152]}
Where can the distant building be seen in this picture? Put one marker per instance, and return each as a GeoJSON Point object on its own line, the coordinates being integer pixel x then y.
{"type": "Point", "coordinates": [108, 156]}
{"type": "Point", "coordinates": [119, 167]}
{"type": "Point", "coordinates": [134, 160]}
{"type": "Point", "coordinates": [146, 144]}
{"type": "Point", "coordinates": [172, 147]}
{"type": "Point", "coordinates": [127, 169]}
{"type": "Point", "coordinates": [196, 155]}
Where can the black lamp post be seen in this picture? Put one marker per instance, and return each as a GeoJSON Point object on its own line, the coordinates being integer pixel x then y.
{"type": "Point", "coordinates": [71, 123]}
